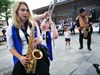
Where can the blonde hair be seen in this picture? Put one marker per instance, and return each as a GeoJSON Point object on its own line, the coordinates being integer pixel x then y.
{"type": "Point", "coordinates": [16, 20]}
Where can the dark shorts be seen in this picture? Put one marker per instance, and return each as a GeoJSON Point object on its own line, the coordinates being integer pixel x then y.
{"type": "Point", "coordinates": [67, 39]}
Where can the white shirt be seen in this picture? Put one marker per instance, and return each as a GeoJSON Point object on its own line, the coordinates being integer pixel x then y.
{"type": "Point", "coordinates": [67, 34]}
{"type": "Point", "coordinates": [22, 36]}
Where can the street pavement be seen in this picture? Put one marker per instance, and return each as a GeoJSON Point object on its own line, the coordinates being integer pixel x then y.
{"type": "Point", "coordinates": [72, 61]}
{"type": "Point", "coordinates": [67, 61]}
{"type": "Point", "coordinates": [6, 63]}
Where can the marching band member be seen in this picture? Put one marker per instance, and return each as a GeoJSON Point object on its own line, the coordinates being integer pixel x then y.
{"type": "Point", "coordinates": [83, 22]}
{"type": "Point", "coordinates": [49, 33]}
{"type": "Point", "coordinates": [17, 40]}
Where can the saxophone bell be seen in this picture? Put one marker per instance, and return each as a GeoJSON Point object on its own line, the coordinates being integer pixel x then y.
{"type": "Point", "coordinates": [37, 54]}
{"type": "Point", "coordinates": [87, 29]}
{"type": "Point", "coordinates": [86, 32]}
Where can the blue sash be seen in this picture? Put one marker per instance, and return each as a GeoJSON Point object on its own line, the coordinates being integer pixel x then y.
{"type": "Point", "coordinates": [49, 44]}
{"type": "Point", "coordinates": [35, 34]}
{"type": "Point", "coordinates": [17, 43]}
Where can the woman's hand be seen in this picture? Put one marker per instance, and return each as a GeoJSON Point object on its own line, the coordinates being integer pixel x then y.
{"type": "Point", "coordinates": [79, 29]}
{"type": "Point", "coordinates": [90, 23]}
{"type": "Point", "coordinates": [46, 14]}
{"type": "Point", "coordinates": [24, 60]}
{"type": "Point", "coordinates": [36, 41]}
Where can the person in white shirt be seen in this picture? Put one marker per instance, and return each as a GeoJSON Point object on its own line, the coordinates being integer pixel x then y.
{"type": "Point", "coordinates": [18, 35]}
{"type": "Point", "coordinates": [67, 36]}
{"type": "Point", "coordinates": [49, 33]}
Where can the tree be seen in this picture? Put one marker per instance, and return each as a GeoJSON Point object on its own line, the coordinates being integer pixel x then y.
{"type": "Point", "coordinates": [1, 6]}
{"type": "Point", "coordinates": [5, 9]}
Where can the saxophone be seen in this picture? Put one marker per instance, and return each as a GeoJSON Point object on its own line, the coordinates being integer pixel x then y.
{"type": "Point", "coordinates": [86, 28]}
{"type": "Point", "coordinates": [32, 53]}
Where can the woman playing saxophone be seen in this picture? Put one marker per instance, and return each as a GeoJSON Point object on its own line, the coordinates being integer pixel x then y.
{"type": "Point", "coordinates": [18, 39]}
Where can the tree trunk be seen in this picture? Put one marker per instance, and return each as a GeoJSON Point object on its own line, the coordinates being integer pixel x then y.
{"type": "Point", "coordinates": [7, 22]}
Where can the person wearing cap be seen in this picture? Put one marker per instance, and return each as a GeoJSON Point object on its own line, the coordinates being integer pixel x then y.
{"type": "Point", "coordinates": [82, 21]}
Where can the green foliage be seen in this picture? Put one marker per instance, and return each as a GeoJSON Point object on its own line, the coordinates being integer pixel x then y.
{"type": "Point", "coordinates": [1, 4]}
{"type": "Point", "coordinates": [5, 8]}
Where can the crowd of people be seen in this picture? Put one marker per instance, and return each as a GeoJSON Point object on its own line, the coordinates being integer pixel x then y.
{"type": "Point", "coordinates": [18, 34]}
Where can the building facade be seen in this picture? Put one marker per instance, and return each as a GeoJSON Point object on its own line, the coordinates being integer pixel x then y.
{"type": "Point", "coordinates": [69, 9]}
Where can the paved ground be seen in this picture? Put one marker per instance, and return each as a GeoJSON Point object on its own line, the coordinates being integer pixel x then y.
{"type": "Point", "coordinates": [67, 61]}
{"type": "Point", "coordinates": [5, 59]}
{"type": "Point", "coordinates": [74, 61]}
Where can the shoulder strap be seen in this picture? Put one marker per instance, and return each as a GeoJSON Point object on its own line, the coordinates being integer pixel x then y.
{"type": "Point", "coordinates": [17, 31]}
{"type": "Point", "coordinates": [26, 34]}
{"type": "Point", "coordinates": [35, 29]}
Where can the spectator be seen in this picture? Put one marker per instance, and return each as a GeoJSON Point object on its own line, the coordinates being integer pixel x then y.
{"type": "Point", "coordinates": [72, 28]}
{"type": "Point", "coordinates": [67, 37]}
{"type": "Point", "coordinates": [4, 34]}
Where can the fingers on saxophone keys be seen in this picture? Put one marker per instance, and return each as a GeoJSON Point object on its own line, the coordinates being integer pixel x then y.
{"type": "Point", "coordinates": [25, 61]}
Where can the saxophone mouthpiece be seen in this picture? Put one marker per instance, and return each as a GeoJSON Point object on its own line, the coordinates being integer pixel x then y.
{"type": "Point", "coordinates": [25, 17]}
